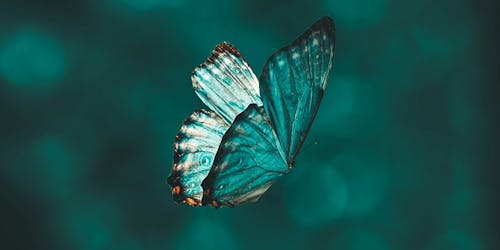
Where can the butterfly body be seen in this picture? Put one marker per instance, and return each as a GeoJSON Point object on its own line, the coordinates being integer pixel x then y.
{"type": "Point", "coordinates": [256, 126]}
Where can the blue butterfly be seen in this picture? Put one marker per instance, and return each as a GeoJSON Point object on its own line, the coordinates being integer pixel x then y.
{"type": "Point", "coordinates": [232, 153]}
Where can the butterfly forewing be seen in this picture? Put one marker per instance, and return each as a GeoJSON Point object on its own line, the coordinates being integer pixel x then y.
{"type": "Point", "coordinates": [225, 82]}
{"type": "Point", "coordinates": [293, 82]}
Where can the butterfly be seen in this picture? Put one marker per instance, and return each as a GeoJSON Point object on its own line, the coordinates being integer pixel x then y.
{"type": "Point", "coordinates": [254, 128]}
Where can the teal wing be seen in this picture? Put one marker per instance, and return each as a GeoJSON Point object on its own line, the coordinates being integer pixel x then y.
{"type": "Point", "coordinates": [248, 161]}
{"type": "Point", "coordinates": [225, 82]}
{"type": "Point", "coordinates": [227, 85]}
{"type": "Point", "coordinates": [194, 151]}
{"type": "Point", "coordinates": [293, 81]}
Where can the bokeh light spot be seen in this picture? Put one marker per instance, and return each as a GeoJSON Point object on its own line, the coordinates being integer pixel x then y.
{"type": "Point", "coordinates": [413, 48]}
{"type": "Point", "coordinates": [366, 179]}
{"type": "Point", "coordinates": [90, 223]}
{"type": "Point", "coordinates": [145, 5]}
{"type": "Point", "coordinates": [49, 168]}
{"type": "Point", "coordinates": [358, 13]}
{"type": "Point", "coordinates": [465, 199]}
{"type": "Point", "coordinates": [359, 240]}
{"type": "Point", "coordinates": [457, 240]}
{"type": "Point", "coordinates": [203, 232]}
{"type": "Point", "coordinates": [466, 118]}
{"type": "Point", "coordinates": [317, 197]}
{"type": "Point", "coordinates": [32, 59]}
{"type": "Point", "coordinates": [350, 104]}
{"type": "Point", "coordinates": [368, 241]}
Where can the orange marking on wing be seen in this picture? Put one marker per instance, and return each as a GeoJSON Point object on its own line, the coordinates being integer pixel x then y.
{"type": "Point", "coordinates": [176, 190]}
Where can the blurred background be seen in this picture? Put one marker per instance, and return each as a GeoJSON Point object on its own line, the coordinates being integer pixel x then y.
{"type": "Point", "coordinates": [92, 94]}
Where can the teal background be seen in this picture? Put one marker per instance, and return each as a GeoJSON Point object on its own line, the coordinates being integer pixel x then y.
{"type": "Point", "coordinates": [92, 94]}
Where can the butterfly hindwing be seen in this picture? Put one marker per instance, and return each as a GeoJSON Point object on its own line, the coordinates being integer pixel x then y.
{"type": "Point", "coordinates": [248, 161]}
{"type": "Point", "coordinates": [293, 82]}
{"type": "Point", "coordinates": [194, 151]}
{"type": "Point", "coordinates": [225, 82]}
